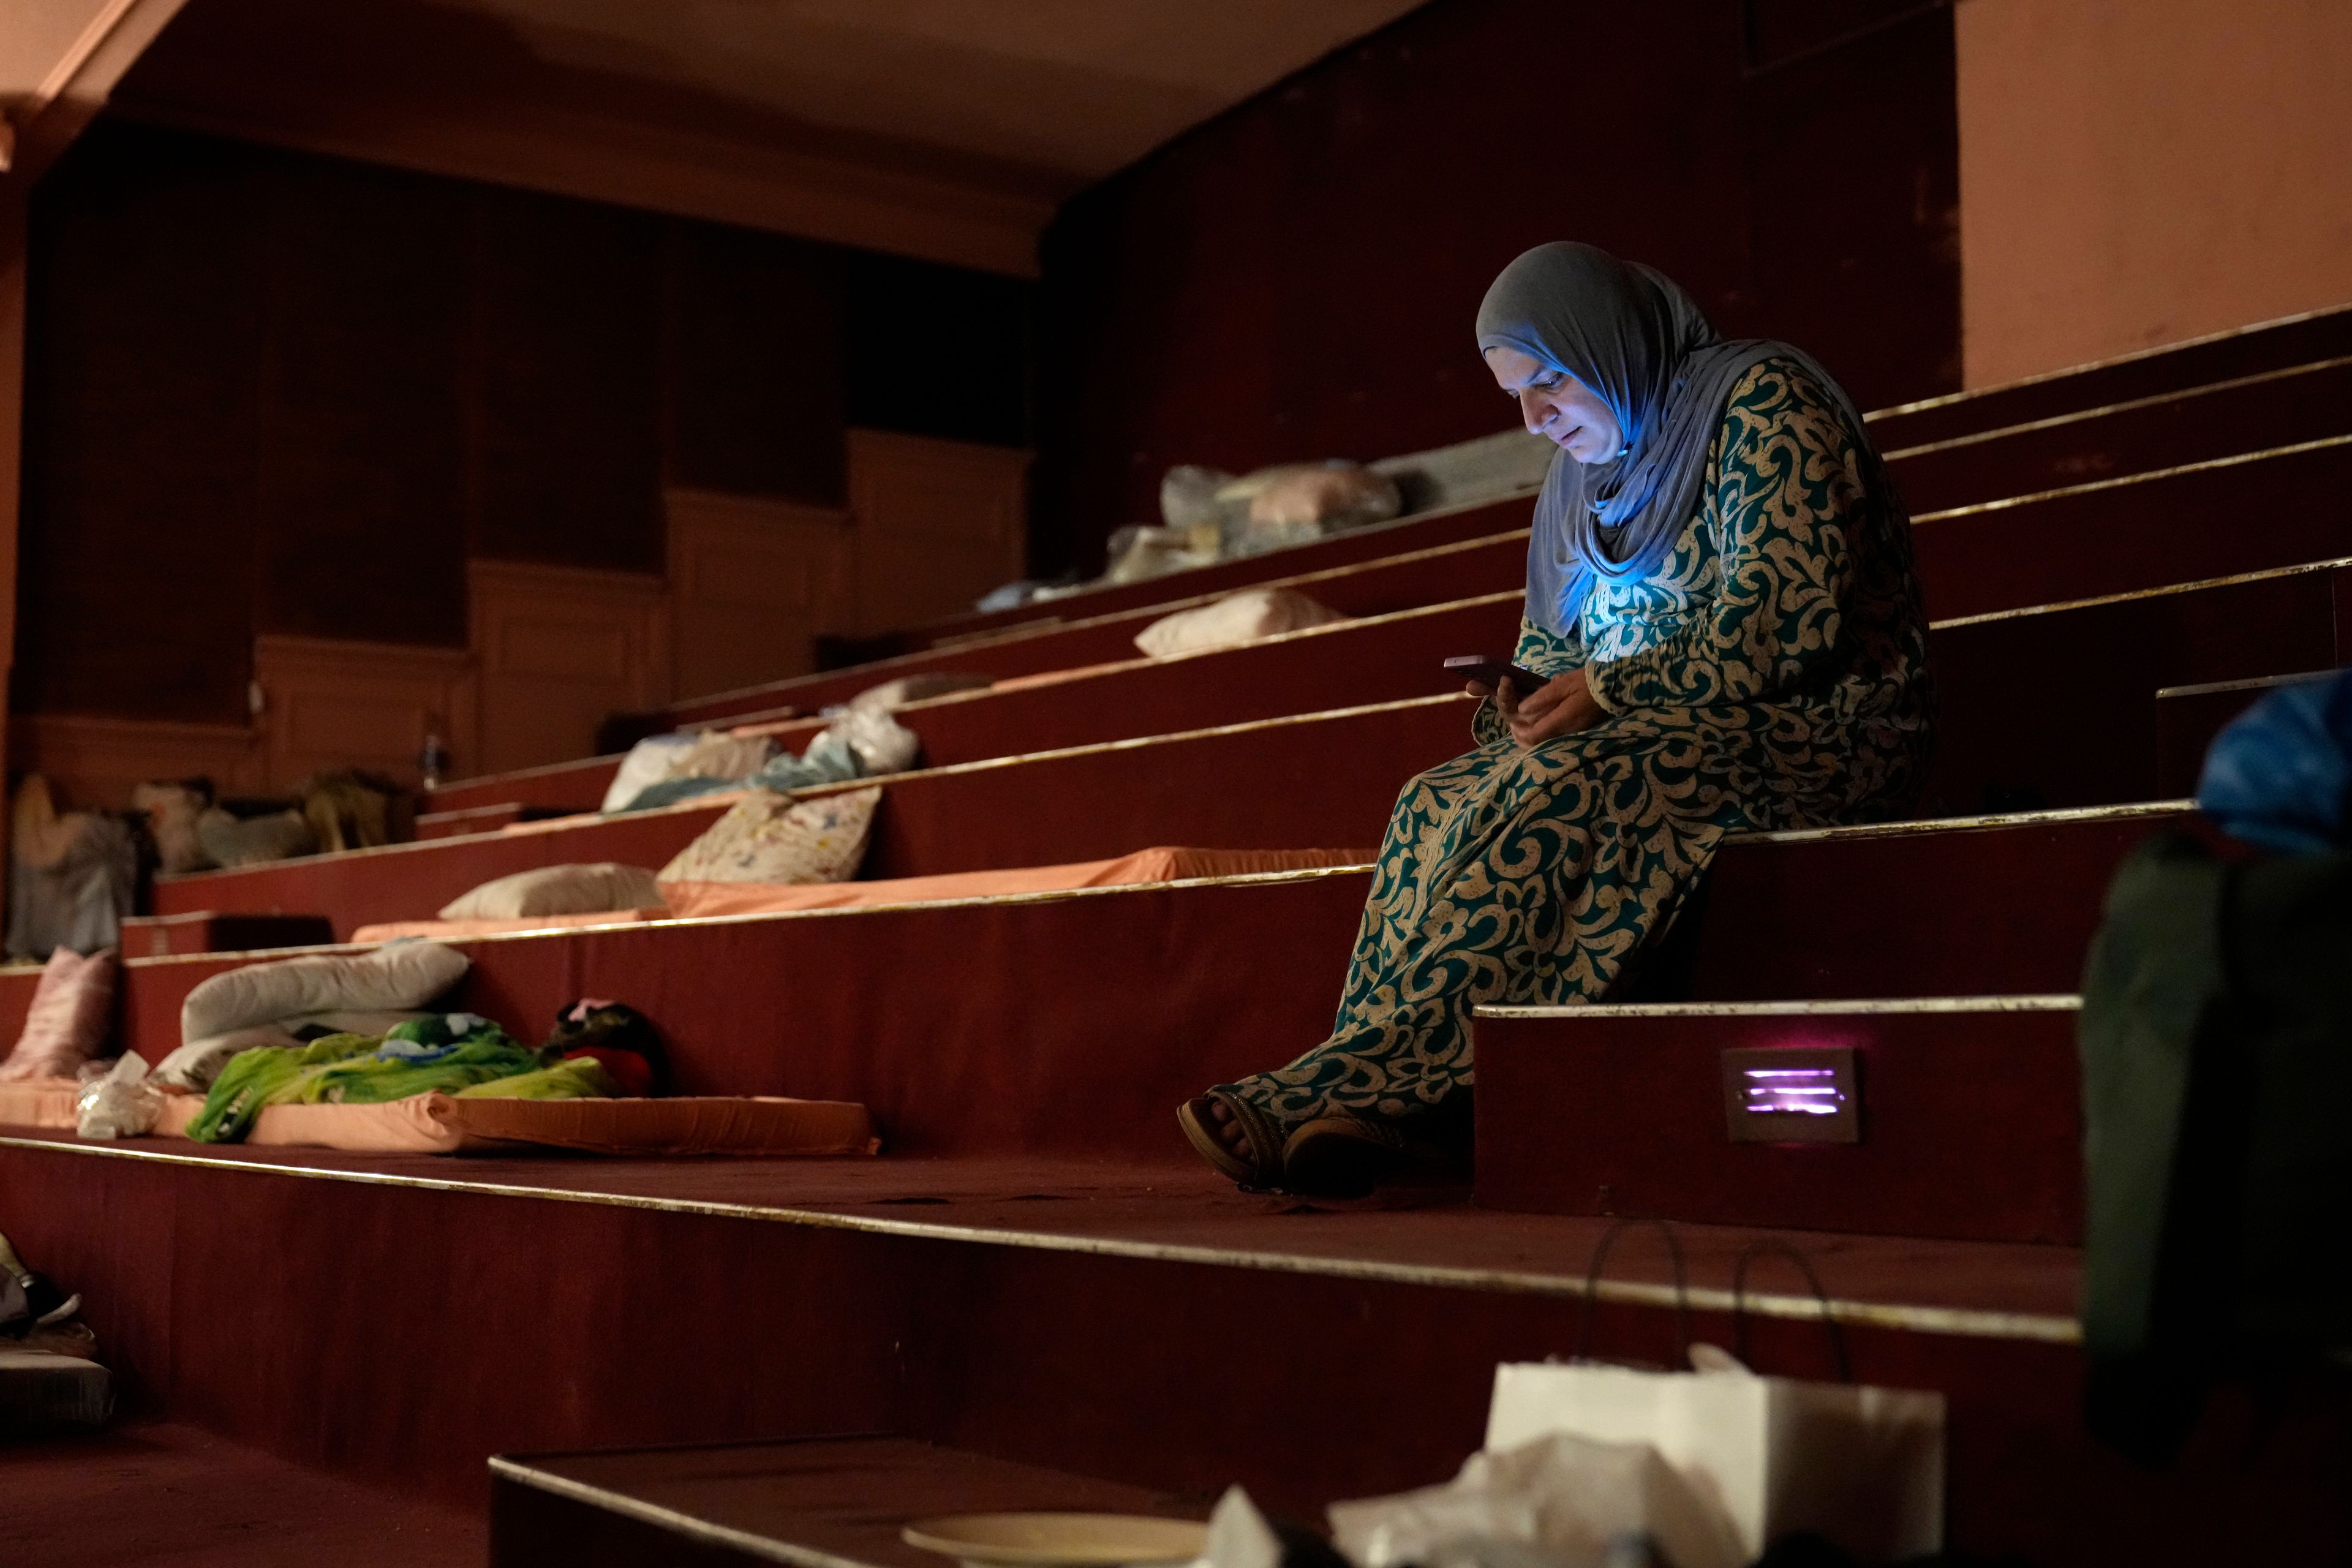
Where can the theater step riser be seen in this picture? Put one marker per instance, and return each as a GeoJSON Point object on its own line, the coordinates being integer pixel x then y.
{"type": "Point", "coordinates": [2061, 709]}
{"type": "Point", "coordinates": [2277, 410]}
{"type": "Point", "coordinates": [2268, 348]}
{"type": "Point", "coordinates": [1970, 1123]}
{"type": "Point", "coordinates": [1325, 784]}
{"type": "Point", "coordinates": [2007, 908]}
{"type": "Point", "coordinates": [1340, 549]}
{"type": "Point", "coordinates": [2191, 527]}
{"type": "Point", "coordinates": [1066, 1025]}
{"type": "Point", "coordinates": [414, 883]}
{"type": "Point", "coordinates": [569, 786]}
{"type": "Point", "coordinates": [404, 1335]}
{"type": "Point", "coordinates": [1374, 588]}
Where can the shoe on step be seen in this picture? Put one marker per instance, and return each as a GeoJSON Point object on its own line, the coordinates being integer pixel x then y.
{"type": "Point", "coordinates": [1348, 1156]}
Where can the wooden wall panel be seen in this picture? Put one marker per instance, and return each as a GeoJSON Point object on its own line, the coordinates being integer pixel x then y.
{"type": "Point", "coordinates": [135, 593]}
{"type": "Point", "coordinates": [567, 426]}
{"type": "Point", "coordinates": [752, 583]}
{"type": "Point", "coordinates": [281, 396]}
{"type": "Point", "coordinates": [938, 524]}
{"type": "Point", "coordinates": [756, 349]}
{"type": "Point", "coordinates": [360, 450]}
{"type": "Point", "coordinates": [560, 649]}
{"type": "Point", "coordinates": [94, 763]}
{"type": "Point", "coordinates": [331, 704]}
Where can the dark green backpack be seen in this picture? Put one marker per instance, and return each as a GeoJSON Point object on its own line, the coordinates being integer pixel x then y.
{"type": "Point", "coordinates": [2217, 1095]}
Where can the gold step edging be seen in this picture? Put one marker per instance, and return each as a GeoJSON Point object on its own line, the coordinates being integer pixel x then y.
{"type": "Point", "coordinates": [1969, 394]}
{"type": "Point", "coordinates": [2129, 406]}
{"type": "Point", "coordinates": [1957, 1321]}
{"type": "Point", "coordinates": [1888, 1006]}
{"type": "Point", "coordinates": [2122, 482]}
{"type": "Point", "coordinates": [1029, 631]}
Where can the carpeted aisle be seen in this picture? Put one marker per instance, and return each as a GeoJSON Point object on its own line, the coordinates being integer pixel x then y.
{"type": "Point", "coordinates": [174, 1495]}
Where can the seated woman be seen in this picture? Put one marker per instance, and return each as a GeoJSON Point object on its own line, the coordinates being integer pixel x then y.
{"type": "Point", "coordinates": [1721, 600]}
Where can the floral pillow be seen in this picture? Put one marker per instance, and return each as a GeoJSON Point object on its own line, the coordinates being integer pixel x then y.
{"type": "Point", "coordinates": [771, 837]}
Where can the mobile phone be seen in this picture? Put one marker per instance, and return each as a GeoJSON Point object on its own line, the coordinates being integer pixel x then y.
{"type": "Point", "coordinates": [1490, 672]}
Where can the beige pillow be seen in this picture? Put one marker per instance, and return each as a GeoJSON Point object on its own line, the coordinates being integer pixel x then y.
{"type": "Point", "coordinates": [72, 1008]}
{"type": "Point", "coordinates": [1234, 619]}
{"type": "Point", "coordinates": [559, 890]}
{"type": "Point", "coordinates": [405, 974]}
{"type": "Point", "coordinates": [1331, 496]}
{"type": "Point", "coordinates": [770, 837]}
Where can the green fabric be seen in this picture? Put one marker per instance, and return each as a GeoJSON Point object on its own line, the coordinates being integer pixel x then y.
{"type": "Point", "coordinates": [1771, 674]}
{"type": "Point", "coordinates": [251, 1078]}
{"type": "Point", "coordinates": [375, 1078]}
{"type": "Point", "coordinates": [583, 1078]}
{"type": "Point", "coordinates": [419, 1056]}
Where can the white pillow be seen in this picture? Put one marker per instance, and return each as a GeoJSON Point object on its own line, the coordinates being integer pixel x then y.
{"type": "Point", "coordinates": [559, 890]}
{"type": "Point", "coordinates": [1235, 618]}
{"type": "Point", "coordinates": [404, 974]}
{"type": "Point", "coordinates": [768, 837]}
{"type": "Point", "coordinates": [648, 762]}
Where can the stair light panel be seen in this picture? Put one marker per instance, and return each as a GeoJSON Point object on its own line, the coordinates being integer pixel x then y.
{"type": "Point", "coordinates": [1791, 1094]}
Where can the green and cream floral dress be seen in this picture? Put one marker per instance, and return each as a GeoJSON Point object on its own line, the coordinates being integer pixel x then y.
{"type": "Point", "coordinates": [1771, 674]}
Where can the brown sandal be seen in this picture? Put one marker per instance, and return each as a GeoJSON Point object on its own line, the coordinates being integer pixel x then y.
{"type": "Point", "coordinates": [1263, 1165]}
{"type": "Point", "coordinates": [1348, 1156]}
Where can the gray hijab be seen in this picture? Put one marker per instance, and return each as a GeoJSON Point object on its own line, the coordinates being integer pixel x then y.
{"type": "Point", "coordinates": [1642, 345]}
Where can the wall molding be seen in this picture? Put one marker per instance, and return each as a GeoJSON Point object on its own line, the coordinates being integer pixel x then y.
{"type": "Point", "coordinates": [330, 703]}
{"type": "Point", "coordinates": [557, 650]}
{"type": "Point", "coordinates": [92, 761]}
{"type": "Point", "coordinates": [753, 580]}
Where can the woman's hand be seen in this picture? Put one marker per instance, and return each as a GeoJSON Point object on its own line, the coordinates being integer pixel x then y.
{"type": "Point", "coordinates": [1557, 707]}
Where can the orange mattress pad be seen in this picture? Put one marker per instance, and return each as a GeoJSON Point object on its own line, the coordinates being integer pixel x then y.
{"type": "Point", "coordinates": [443, 1124]}
{"type": "Point", "coordinates": [1157, 865]}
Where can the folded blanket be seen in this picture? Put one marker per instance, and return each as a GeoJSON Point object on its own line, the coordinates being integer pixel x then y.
{"type": "Point", "coordinates": [1159, 865]}
{"type": "Point", "coordinates": [441, 1124]}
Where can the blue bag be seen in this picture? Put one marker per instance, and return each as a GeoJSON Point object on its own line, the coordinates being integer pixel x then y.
{"type": "Point", "coordinates": [2279, 775]}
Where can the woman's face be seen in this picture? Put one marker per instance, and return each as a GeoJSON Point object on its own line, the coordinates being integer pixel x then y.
{"type": "Point", "coordinates": [1557, 406]}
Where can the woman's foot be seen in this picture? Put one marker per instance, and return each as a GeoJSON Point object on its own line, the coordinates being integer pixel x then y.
{"type": "Point", "coordinates": [1240, 1142]}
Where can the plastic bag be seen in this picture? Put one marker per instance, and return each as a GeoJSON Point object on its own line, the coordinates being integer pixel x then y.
{"type": "Point", "coordinates": [2278, 775]}
{"type": "Point", "coordinates": [118, 1102]}
{"type": "Point", "coordinates": [1574, 1502]}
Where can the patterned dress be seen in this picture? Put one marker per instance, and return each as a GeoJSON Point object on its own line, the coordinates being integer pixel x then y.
{"type": "Point", "coordinates": [1771, 674]}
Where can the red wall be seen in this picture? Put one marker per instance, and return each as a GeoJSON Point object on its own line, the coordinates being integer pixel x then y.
{"type": "Point", "coordinates": [1296, 279]}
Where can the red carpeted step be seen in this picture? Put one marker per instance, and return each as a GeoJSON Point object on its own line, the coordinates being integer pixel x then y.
{"type": "Point", "coordinates": [1486, 564]}
{"type": "Point", "coordinates": [1071, 1317]}
{"type": "Point", "coordinates": [164, 933]}
{"type": "Point", "coordinates": [413, 881]}
{"type": "Point", "coordinates": [2224, 356]}
{"type": "Point", "coordinates": [576, 785]}
{"type": "Point", "coordinates": [457, 822]}
{"type": "Point", "coordinates": [2188, 718]}
{"type": "Point", "coordinates": [151, 1491]}
{"type": "Point", "coordinates": [2250, 414]}
{"type": "Point", "coordinates": [842, 1006]}
{"type": "Point", "coordinates": [1956, 1118]}
{"type": "Point", "coordinates": [2231, 516]}
{"type": "Point", "coordinates": [1839, 913]}
{"type": "Point", "coordinates": [1446, 525]}
{"type": "Point", "coordinates": [839, 1501]}
{"type": "Point", "coordinates": [2058, 707]}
